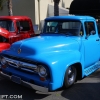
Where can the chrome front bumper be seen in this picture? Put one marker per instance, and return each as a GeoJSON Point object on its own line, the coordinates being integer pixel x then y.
{"type": "Point", "coordinates": [33, 86]}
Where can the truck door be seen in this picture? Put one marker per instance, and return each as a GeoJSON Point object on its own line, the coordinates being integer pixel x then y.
{"type": "Point", "coordinates": [23, 28]}
{"type": "Point", "coordinates": [91, 44]}
{"type": "Point", "coordinates": [23, 31]}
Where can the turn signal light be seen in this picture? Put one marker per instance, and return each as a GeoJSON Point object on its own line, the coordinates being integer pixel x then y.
{"type": "Point", "coordinates": [42, 78]}
{"type": "Point", "coordinates": [4, 66]}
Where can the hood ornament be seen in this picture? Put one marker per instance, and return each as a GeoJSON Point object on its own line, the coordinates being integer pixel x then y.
{"type": "Point", "coordinates": [19, 51]}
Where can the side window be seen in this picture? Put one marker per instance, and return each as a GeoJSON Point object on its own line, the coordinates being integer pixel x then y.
{"type": "Point", "coordinates": [90, 28]}
{"type": "Point", "coordinates": [51, 26]}
{"type": "Point", "coordinates": [23, 25]}
{"type": "Point", "coordinates": [75, 28]}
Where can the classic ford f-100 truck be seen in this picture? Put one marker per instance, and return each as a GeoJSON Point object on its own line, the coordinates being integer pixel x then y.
{"type": "Point", "coordinates": [14, 28]}
{"type": "Point", "coordinates": [67, 50]}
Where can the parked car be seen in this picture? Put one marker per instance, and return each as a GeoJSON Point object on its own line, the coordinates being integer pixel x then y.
{"type": "Point", "coordinates": [66, 51]}
{"type": "Point", "coordinates": [14, 28]}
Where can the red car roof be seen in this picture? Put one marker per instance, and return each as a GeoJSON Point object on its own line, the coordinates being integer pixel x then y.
{"type": "Point", "coordinates": [14, 17]}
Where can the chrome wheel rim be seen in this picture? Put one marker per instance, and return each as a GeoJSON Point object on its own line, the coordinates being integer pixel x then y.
{"type": "Point", "coordinates": [71, 75]}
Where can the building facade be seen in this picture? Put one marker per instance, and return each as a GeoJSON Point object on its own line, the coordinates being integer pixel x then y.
{"type": "Point", "coordinates": [37, 10]}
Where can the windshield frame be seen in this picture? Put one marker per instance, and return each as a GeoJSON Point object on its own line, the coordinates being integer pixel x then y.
{"type": "Point", "coordinates": [80, 28]}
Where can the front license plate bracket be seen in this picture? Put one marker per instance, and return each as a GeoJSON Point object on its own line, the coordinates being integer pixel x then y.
{"type": "Point", "coordinates": [16, 79]}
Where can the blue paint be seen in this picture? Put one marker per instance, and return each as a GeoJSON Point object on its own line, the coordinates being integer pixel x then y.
{"type": "Point", "coordinates": [57, 52]}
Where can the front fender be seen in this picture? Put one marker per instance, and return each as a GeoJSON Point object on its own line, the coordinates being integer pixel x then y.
{"type": "Point", "coordinates": [58, 64]}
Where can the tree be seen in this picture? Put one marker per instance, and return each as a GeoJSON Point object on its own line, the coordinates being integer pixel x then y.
{"type": "Point", "coordinates": [9, 6]}
{"type": "Point", "coordinates": [9, 3]}
{"type": "Point", "coordinates": [1, 4]}
{"type": "Point", "coordinates": [56, 7]}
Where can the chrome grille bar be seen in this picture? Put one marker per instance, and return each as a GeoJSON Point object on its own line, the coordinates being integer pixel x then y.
{"type": "Point", "coordinates": [21, 65]}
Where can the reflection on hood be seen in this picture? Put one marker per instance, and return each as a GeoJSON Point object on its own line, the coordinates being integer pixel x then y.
{"type": "Point", "coordinates": [45, 44]}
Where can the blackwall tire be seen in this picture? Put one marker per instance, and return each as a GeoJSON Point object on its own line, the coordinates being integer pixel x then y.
{"type": "Point", "coordinates": [70, 76]}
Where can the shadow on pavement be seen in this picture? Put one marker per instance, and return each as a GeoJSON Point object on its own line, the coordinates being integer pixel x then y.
{"type": "Point", "coordinates": [86, 89]}
{"type": "Point", "coordinates": [82, 91]}
{"type": "Point", "coordinates": [10, 88]}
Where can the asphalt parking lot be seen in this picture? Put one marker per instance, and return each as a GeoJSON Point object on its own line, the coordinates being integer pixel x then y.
{"type": "Point", "coordinates": [86, 89]}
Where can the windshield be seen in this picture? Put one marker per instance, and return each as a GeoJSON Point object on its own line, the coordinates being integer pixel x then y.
{"type": "Point", "coordinates": [66, 27]}
{"type": "Point", "coordinates": [8, 25]}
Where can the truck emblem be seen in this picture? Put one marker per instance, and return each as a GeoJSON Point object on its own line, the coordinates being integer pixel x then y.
{"type": "Point", "coordinates": [19, 51]}
{"type": "Point", "coordinates": [18, 65]}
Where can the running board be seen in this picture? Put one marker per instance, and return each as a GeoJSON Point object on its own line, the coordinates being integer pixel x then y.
{"type": "Point", "coordinates": [91, 69]}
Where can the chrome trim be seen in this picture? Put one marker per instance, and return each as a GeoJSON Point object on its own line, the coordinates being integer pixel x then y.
{"type": "Point", "coordinates": [21, 65]}
{"type": "Point", "coordinates": [19, 51]}
{"type": "Point", "coordinates": [40, 66]}
{"type": "Point", "coordinates": [28, 84]}
{"type": "Point", "coordinates": [2, 61]}
{"type": "Point", "coordinates": [28, 70]}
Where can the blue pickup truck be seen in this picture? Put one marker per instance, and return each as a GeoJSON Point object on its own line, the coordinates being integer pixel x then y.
{"type": "Point", "coordinates": [67, 50]}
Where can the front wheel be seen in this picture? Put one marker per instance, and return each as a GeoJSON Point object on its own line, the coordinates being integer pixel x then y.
{"type": "Point", "coordinates": [70, 76]}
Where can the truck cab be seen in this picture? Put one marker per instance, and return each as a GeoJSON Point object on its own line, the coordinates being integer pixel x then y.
{"type": "Point", "coordinates": [14, 28]}
{"type": "Point", "coordinates": [67, 50]}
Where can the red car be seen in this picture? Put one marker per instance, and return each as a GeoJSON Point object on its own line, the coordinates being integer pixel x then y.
{"type": "Point", "coordinates": [14, 28]}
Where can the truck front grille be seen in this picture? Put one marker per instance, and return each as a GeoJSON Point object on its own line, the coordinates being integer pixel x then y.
{"type": "Point", "coordinates": [21, 65]}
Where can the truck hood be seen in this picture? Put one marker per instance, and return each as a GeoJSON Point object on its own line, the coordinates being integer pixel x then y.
{"type": "Point", "coordinates": [45, 44]}
{"type": "Point", "coordinates": [5, 33]}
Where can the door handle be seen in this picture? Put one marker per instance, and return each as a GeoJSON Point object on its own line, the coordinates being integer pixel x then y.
{"type": "Point", "coordinates": [97, 39]}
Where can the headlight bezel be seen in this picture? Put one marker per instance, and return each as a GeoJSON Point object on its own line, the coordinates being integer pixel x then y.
{"type": "Point", "coordinates": [40, 70]}
{"type": "Point", "coordinates": [1, 60]}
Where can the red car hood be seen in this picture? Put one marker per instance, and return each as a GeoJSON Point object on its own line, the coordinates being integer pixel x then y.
{"type": "Point", "coordinates": [5, 33]}
{"type": "Point", "coordinates": [4, 46]}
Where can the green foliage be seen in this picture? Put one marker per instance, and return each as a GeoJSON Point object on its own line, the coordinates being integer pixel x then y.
{"type": "Point", "coordinates": [1, 4]}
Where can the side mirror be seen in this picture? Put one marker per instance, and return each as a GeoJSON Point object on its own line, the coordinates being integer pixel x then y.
{"type": "Point", "coordinates": [19, 29]}
{"type": "Point", "coordinates": [92, 32]}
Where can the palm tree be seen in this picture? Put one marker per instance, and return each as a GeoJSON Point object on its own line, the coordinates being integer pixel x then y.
{"type": "Point", "coordinates": [9, 3]}
{"type": "Point", "coordinates": [56, 7]}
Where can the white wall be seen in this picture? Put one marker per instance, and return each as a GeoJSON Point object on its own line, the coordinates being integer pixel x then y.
{"type": "Point", "coordinates": [62, 11]}
{"type": "Point", "coordinates": [45, 9]}
{"type": "Point", "coordinates": [65, 3]}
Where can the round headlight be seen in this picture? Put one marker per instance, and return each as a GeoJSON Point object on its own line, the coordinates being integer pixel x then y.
{"type": "Point", "coordinates": [3, 61]}
{"type": "Point", "coordinates": [42, 71]}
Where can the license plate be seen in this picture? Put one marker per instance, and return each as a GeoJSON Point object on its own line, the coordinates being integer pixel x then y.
{"type": "Point", "coordinates": [16, 79]}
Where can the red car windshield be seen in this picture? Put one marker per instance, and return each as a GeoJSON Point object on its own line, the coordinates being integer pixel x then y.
{"type": "Point", "coordinates": [8, 25]}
